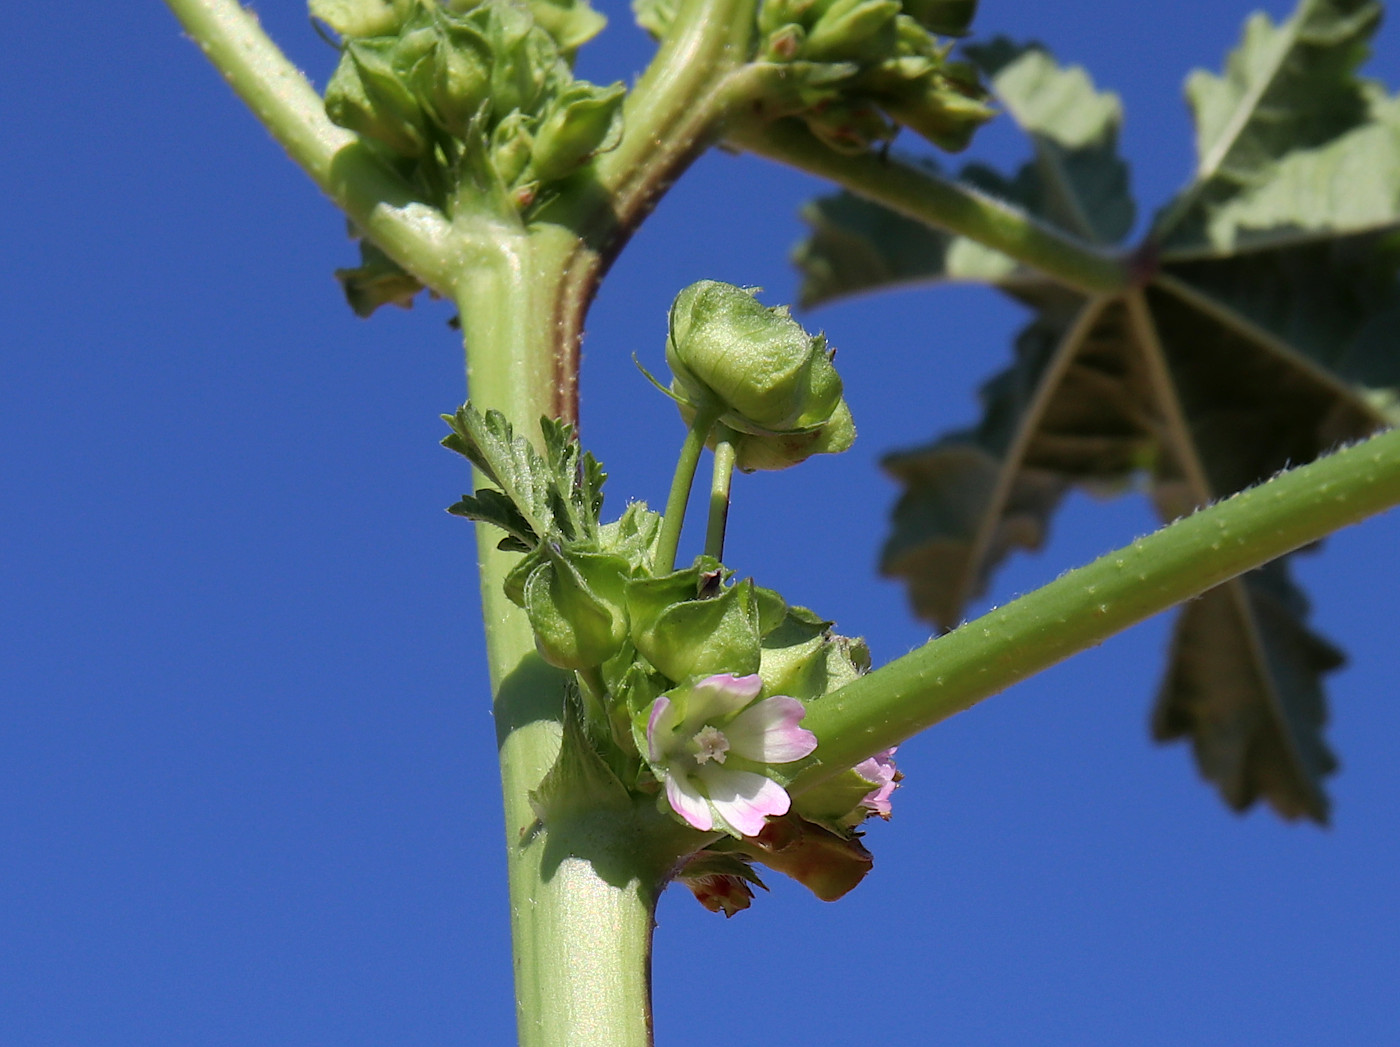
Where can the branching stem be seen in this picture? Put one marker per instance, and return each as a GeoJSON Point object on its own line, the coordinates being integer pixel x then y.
{"type": "Point", "coordinates": [719, 492]}
{"type": "Point", "coordinates": [939, 202]}
{"type": "Point", "coordinates": [413, 233]}
{"type": "Point", "coordinates": [1084, 607]}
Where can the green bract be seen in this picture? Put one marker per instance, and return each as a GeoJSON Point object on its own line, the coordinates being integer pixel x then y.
{"type": "Point", "coordinates": [575, 604]}
{"type": "Point", "coordinates": [773, 384]}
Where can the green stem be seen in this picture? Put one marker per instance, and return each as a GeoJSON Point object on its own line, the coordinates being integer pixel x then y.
{"type": "Point", "coordinates": [676, 502]}
{"type": "Point", "coordinates": [581, 897]}
{"type": "Point", "coordinates": [1084, 607]}
{"type": "Point", "coordinates": [385, 207]}
{"type": "Point", "coordinates": [719, 493]}
{"type": "Point", "coordinates": [678, 106]}
{"type": "Point", "coordinates": [942, 203]}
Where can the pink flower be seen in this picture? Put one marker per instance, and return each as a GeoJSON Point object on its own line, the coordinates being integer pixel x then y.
{"type": "Point", "coordinates": [708, 744]}
{"type": "Point", "coordinates": [880, 772]}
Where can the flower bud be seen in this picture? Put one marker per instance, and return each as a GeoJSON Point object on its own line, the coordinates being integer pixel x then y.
{"type": "Point", "coordinates": [367, 95]}
{"type": "Point", "coordinates": [583, 120]}
{"type": "Point", "coordinates": [775, 383]}
{"type": "Point", "coordinates": [354, 18]}
{"type": "Point", "coordinates": [511, 147]}
{"type": "Point", "coordinates": [575, 604]}
{"type": "Point", "coordinates": [853, 30]}
{"type": "Point", "coordinates": [684, 631]}
{"type": "Point", "coordinates": [457, 80]}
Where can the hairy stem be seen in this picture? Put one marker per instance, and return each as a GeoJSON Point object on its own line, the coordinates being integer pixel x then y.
{"type": "Point", "coordinates": [1084, 607]}
{"type": "Point", "coordinates": [939, 202]}
{"type": "Point", "coordinates": [676, 502]}
{"type": "Point", "coordinates": [581, 898]}
{"type": "Point", "coordinates": [385, 207]}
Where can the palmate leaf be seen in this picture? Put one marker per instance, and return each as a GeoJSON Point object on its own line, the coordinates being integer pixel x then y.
{"type": "Point", "coordinates": [1265, 330]}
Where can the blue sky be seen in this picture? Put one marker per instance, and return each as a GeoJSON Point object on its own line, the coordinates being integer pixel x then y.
{"type": "Point", "coordinates": [247, 780]}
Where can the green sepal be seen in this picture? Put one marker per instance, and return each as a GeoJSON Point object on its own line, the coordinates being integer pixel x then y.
{"type": "Point", "coordinates": [572, 23]}
{"type": "Point", "coordinates": [805, 659]}
{"type": "Point", "coordinates": [853, 30]}
{"type": "Point", "coordinates": [836, 801]}
{"type": "Point", "coordinates": [579, 782]}
{"type": "Point", "coordinates": [377, 280]}
{"type": "Point", "coordinates": [826, 863]}
{"type": "Point", "coordinates": [576, 608]}
{"type": "Point", "coordinates": [367, 95]}
{"type": "Point", "coordinates": [583, 120]}
{"type": "Point", "coordinates": [354, 18]}
{"type": "Point", "coordinates": [686, 629]}
{"type": "Point", "coordinates": [633, 535]}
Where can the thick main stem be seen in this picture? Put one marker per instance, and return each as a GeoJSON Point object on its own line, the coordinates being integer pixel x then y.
{"type": "Point", "coordinates": [582, 941]}
{"type": "Point", "coordinates": [1084, 607]}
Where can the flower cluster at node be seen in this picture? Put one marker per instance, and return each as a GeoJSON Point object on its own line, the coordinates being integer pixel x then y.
{"type": "Point", "coordinates": [707, 743]}
{"type": "Point", "coordinates": [880, 771]}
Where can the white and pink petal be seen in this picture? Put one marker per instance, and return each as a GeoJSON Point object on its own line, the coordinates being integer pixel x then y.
{"type": "Point", "coordinates": [742, 798]}
{"type": "Point", "coordinates": [686, 800]}
{"type": "Point", "coordinates": [768, 731]}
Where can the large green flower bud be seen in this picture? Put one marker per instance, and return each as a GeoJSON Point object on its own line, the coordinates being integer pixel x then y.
{"type": "Point", "coordinates": [774, 384]}
{"type": "Point", "coordinates": [576, 607]}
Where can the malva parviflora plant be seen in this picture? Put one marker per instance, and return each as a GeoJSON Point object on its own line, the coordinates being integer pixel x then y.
{"type": "Point", "coordinates": [664, 720]}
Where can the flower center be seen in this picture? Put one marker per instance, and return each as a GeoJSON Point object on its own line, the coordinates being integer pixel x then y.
{"type": "Point", "coordinates": [709, 744]}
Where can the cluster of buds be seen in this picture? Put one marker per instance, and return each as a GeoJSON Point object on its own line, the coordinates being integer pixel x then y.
{"type": "Point", "coordinates": [480, 87]}
{"type": "Point", "coordinates": [466, 93]}
{"type": "Point", "coordinates": [862, 68]}
{"type": "Point", "coordinates": [692, 685]}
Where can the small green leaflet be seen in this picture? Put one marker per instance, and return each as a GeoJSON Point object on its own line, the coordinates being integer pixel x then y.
{"type": "Point", "coordinates": [557, 495]}
{"type": "Point", "coordinates": [1264, 330]}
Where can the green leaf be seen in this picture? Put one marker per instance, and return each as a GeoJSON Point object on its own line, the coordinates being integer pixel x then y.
{"type": "Point", "coordinates": [1076, 181]}
{"type": "Point", "coordinates": [554, 496]}
{"type": "Point", "coordinates": [1075, 407]}
{"type": "Point", "coordinates": [1281, 116]}
{"type": "Point", "coordinates": [1245, 687]}
{"type": "Point", "coordinates": [377, 280]}
{"type": "Point", "coordinates": [1264, 329]}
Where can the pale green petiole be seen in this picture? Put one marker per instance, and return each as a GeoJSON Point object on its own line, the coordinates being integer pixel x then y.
{"type": "Point", "coordinates": [719, 492]}
{"type": "Point", "coordinates": [1084, 607]}
{"type": "Point", "coordinates": [676, 502]}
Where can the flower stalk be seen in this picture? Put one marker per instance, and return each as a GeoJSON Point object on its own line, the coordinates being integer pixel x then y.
{"type": "Point", "coordinates": [719, 493]}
